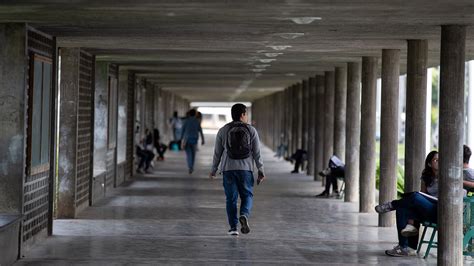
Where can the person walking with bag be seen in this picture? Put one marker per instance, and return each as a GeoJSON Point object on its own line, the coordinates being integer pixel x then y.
{"type": "Point", "coordinates": [237, 148]}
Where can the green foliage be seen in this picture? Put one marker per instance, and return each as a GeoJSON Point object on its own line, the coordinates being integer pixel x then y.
{"type": "Point", "coordinates": [400, 179]}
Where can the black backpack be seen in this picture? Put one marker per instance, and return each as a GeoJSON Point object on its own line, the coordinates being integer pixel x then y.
{"type": "Point", "coordinates": [238, 141]}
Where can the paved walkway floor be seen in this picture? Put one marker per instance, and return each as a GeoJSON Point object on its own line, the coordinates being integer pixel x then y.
{"type": "Point", "coordinates": [171, 217]}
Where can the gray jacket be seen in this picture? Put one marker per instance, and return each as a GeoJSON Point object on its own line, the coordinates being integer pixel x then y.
{"type": "Point", "coordinates": [227, 163]}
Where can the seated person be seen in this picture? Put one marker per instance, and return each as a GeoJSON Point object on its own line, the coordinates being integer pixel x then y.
{"type": "Point", "coordinates": [468, 173]}
{"type": "Point", "coordinates": [300, 156]}
{"type": "Point", "coordinates": [145, 155]}
{"type": "Point", "coordinates": [335, 170]}
{"type": "Point", "coordinates": [160, 147]}
{"type": "Point", "coordinates": [413, 208]}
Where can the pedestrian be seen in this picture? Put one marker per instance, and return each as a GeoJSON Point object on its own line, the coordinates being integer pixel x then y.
{"type": "Point", "coordinates": [190, 137]}
{"type": "Point", "coordinates": [237, 148]}
{"type": "Point", "coordinates": [176, 124]}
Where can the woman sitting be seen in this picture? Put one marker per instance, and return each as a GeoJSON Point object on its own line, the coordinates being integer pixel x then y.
{"type": "Point", "coordinates": [413, 208]}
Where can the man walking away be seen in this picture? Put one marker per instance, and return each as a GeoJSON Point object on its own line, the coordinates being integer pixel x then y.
{"type": "Point", "coordinates": [238, 146]}
{"type": "Point", "coordinates": [190, 137]}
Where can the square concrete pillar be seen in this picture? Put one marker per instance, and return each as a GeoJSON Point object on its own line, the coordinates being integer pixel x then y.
{"type": "Point", "coordinates": [75, 132]}
{"type": "Point", "coordinates": [13, 71]}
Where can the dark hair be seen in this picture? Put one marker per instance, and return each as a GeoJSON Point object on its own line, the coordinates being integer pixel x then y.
{"type": "Point", "coordinates": [428, 174]}
{"type": "Point", "coordinates": [466, 154]}
{"type": "Point", "coordinates": [175, 114]}
{"type": "Point", "coordinates": [237, 110]}
{"type": "Point", "coordinates": [192, 112]}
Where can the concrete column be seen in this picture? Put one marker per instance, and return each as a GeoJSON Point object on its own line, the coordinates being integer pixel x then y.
{"type": "Point", "coordinates": [305, 116]}
{"type": "Point", "coordinates": [320, 127]}
{"type": "Point", "coordinates": [352, 132]}
{"type": "Point", "coordinates": [470, 107]}
{"type": "Point", "coordinates": [451, 130]}
{"type": "Point", "coordinates": [311, 124]}
{"type": "Point", "coordinates": [294, 137]}
{"type": "Point", "coordinates": [69, 90]}
{"type": "Point", "coordinates": [329, 93]}
{"type": "Point", "coordinates": [367, 134]}
{"type": "Point", "coordinates": [299, 105]}
{"type": "Point", "coordinates": [415, 113]}
{"type": "Point", "coordinates": [389, 132]}
{"type": "Point", "coordinates": [13, 72]}
{"type": "Point", "coordinates": [289, 119]}
{"type": "Point", "coordinates": [340, 112]}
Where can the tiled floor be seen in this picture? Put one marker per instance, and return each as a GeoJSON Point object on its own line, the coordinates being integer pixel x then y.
{"type": "Point", "coordinates": [171, 217]}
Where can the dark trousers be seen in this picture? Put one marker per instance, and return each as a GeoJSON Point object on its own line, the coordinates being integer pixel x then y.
{"type": "Point", "coordinates": [332, 178]}
{"type": "Point", "coordinates": [161, 149]}
{"type": "Point", "coordinates": [299, 156]}
{"type": "Point", "coordinates": [145, 157]}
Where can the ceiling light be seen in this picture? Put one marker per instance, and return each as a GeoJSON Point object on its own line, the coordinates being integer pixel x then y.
{"type": "Point", "coordinates": [272, 54]}
{"type": "Point", "coordinates": [290, 35]}
{"type": "Point", "coordinates": [304, 20]}
{"type": "Point", "coordinates": [267, 60]}
{"type": "Point", "coordinates": [279, 47]}
{"type": "Point", "coordinates": [290, 74]}
{"type": "Point", "coordinates": [262, 66]}
{"type": "Point", "coordinates": [258, 70]}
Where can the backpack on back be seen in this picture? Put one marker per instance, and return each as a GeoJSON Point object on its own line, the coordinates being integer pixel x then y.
{"type": "Point", "coordinates": [238, 141]}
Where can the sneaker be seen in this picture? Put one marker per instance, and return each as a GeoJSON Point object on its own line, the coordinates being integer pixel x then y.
{"type": "Point", "coordinates": [294, 172]}
{"type": "Point", "coordinates": [190, 171]}
{"type": "Point", "coordinates": [409, 230]}
{"type": "Point", "coordinates": [244, 223]}
{"type": "Point", "coordinates": [335, 194]}
{"type": "Point", "coordinates": [398, 251]}
{"type": "Point", "coordinates": [384, 207]}
{"type": "Point", "coordinates": [324, 194]}
{"type": "Point", "coordinates": [233, 232]}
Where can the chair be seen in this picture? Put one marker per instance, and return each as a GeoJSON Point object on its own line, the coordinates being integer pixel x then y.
{"type": "Point", "coordinates": [431, 243]}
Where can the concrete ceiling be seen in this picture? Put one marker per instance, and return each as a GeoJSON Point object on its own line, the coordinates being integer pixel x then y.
{"type": "Point", "coordinates": [218, 50]}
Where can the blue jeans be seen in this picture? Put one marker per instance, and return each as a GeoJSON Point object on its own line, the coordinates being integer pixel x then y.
{"type": "Point", "coordinates": [416, 207]}
{"type": "Point", "coordinates": [238, 182]}
{"type": "Point", "coordinates": [190, 154]}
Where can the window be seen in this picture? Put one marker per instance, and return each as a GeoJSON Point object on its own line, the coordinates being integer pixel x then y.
{"type": "Point", "coordinates": [39, 113]}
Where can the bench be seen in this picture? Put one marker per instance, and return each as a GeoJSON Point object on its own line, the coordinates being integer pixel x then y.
{"type": "Point", "coordinates": [9, 238]}
{"type": "Point", "coordinates": [468, 231]}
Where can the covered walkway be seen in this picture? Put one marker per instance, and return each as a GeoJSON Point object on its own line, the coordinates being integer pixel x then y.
{"type": "Point", "coordinates": [170, 217]}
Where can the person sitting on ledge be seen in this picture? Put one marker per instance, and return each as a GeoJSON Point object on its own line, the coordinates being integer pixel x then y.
{"type": "Point", "coordinates": [300, 156]}
{"type": "Point", "coordinates": [336, 169]}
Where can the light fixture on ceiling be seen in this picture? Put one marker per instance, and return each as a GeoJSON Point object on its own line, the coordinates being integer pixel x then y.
{"type": "Point", "coordinates": [258, 70]}
{"type": "Point", "coordinates": [262, 66]}
{"type": "Point", "coordinates": [290, 35]}
{"type": "Point", "coordinates": [266, 60]}
{"type": "Point", "coordinates": [279, 47]}
{"type": "Point", "coordinates": [272, 54]}
{"type": "Point", "coordinates": [290, 74]}
{"type": "Point", "coordinates": [304, 20]}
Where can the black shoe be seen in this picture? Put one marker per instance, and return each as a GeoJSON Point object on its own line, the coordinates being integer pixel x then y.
{"type": "Point", "coordinates": [244, 224]}
{"type": "Point", "coordinates": [295, 172]}
{"type": "Point", "coordinates": [324, 194]}
{"type": "Point", "coordinates": [190, 171]}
